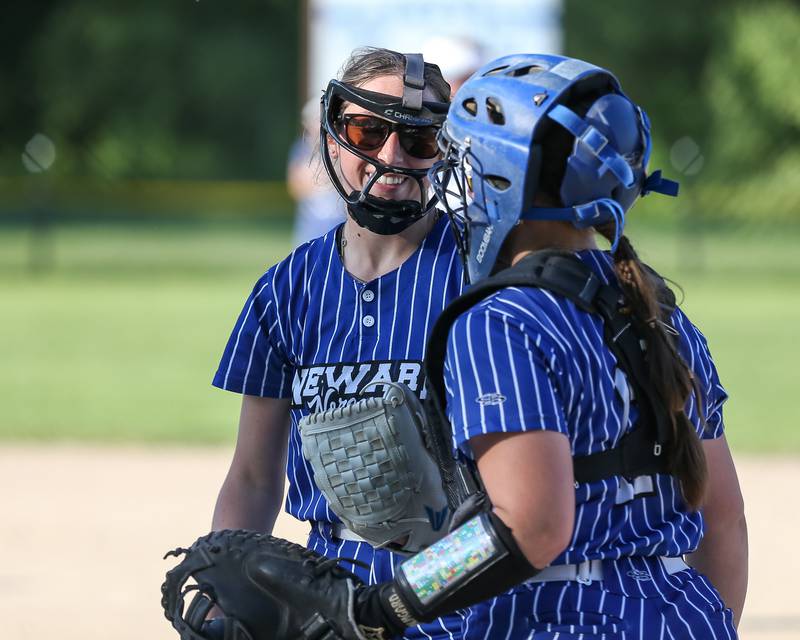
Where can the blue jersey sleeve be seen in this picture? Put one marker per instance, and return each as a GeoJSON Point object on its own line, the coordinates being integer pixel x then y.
{"type": "Point", "coordinates": [694, 350]}
{"type": "Point", "coordinates": [499, 378]}
{"type": "Point", "coordinates": [254, 361]}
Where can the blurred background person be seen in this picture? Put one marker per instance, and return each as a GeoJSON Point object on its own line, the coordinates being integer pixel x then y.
{"type": "Point", "coordinates": [458, 56]}
{"type": "Point", "coordinates": [318, 207]}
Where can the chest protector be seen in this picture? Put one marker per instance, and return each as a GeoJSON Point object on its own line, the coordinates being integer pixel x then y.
{"type": "Point", "coordinates": [642, 451]}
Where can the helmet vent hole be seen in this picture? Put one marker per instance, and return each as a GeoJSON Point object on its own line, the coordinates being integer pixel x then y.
{"type": "Point", "coordinates": [495, 71]}
{"type": "Point", "coordinates": [498, 182]}
{"type": "Point", "coordinates": [495, 111]}
{"type": "Point", "coordinates": [527, 71]}
{"type": "Point", "coordinates": [470, 106]}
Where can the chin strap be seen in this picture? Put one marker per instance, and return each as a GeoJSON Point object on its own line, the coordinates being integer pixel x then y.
{"type": "Point", "coordinates": [590, 214]}
{"type": "Point", "coordinates": [385, 217]}
{"type": "Point", "coordinates": [602, 210]}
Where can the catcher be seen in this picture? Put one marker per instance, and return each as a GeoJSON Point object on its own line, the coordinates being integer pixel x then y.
{"type": "Point", "coordinates": [586, 398]}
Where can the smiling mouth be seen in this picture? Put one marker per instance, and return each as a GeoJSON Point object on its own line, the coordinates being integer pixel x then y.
{"type": "Point", "coordinates": [387, 179]}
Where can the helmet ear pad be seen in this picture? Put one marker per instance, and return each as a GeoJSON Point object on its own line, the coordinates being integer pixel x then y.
{"type": "Point", "coordinates": [585, 177]}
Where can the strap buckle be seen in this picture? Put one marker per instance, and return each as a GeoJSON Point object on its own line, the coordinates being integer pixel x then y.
{"type": "Point", "coordinates": [593, 139]}
{"type": "Point", "coordinates": [583, 572]}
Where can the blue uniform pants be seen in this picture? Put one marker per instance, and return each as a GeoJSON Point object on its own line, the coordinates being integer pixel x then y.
{"type": "Point", "coordinates": [636, 600]}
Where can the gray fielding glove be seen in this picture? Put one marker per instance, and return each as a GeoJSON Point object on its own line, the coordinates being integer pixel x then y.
{"type": "Point", "coordinates": [268, 589]}
{"type": "Point", "coordinates": [371, 461]}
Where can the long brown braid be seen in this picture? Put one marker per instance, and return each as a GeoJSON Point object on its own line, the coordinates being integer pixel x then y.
{"type": "Point", "coordinates": [669, 375]}
{"type": "Point", "coordinates": [646, 296]}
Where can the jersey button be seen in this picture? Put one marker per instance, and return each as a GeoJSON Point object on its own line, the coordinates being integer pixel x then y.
{"type": "Point", "coordinates": [367, 295]}
{"type": "Point", "coordinates": [368, 321]}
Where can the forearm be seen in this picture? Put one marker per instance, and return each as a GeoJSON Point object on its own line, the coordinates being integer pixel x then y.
{"type": "Point", "coordinates": [245, 504]}
{"type": "Point", "coordinates": [251, 494]}
{"type": "Point", "coordinates": [474, 562]}
{"type": "Point", "coordinates": [722, 557]}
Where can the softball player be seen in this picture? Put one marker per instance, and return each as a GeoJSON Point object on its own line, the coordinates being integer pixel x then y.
{"type": "Point", "coordinates": [347, 310]}
{"type": "Point", "coordinates": [588, 401]}
{"type": "Point", "coordinates": [552, 152]}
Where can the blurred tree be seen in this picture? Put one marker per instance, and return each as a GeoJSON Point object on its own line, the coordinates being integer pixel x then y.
{"type": "Point", "coordinates": [719, 82]}
{"type": "Point", "coordinates": [659, 54]}
{"type": "Point", "coordinates": [19, 108]}
{"type": "Point", "coordinates": [753, 91]}
{"type": "Point", "coordinates": [178, 90]}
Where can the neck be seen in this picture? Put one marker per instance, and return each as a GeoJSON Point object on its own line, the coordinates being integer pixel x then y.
{"type": "Point", "coordinates": [367, 255]}
{"type": "Point", "coordinates": [535, 235]}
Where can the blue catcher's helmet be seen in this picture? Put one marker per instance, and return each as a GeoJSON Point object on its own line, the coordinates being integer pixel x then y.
{"type": "Point", "coordinates": [492, 145]}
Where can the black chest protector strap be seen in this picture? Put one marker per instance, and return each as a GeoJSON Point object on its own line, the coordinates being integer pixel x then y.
{"type": "Point", "coordinates": [641, 451]}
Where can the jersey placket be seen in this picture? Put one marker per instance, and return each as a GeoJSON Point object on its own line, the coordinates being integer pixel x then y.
{"type": "Point", "coordinates": [368, 308]}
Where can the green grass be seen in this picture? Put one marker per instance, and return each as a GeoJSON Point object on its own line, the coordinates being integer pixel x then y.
{"type": "Point", "coordinates": [741, 288]}
{"type": "Point", "coordinates": [118, 338]}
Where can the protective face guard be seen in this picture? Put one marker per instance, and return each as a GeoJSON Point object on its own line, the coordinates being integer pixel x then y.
{"type": "Point", "coordinates": [468, 193]}
{"type": "Point", "coordinates": [378, 214]}
{"type": "Point", "coordinates": [451, 179]}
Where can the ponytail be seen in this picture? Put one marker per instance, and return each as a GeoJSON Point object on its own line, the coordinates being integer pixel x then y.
{"type": "Point", "coordinates": [670, 376]}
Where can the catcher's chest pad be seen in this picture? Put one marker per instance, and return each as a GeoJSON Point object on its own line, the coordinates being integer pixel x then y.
{"type": "Point", "coordinates": [370, 462]}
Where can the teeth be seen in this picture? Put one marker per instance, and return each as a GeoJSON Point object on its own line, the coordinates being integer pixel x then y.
{"type": "Point", "coordinates": [390, 179]}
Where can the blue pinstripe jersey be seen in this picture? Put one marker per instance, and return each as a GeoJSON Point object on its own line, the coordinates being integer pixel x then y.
{"type": "Point", "coordinates": [311, 332]}
{"type": "Point", "coordinates": [525, 359]}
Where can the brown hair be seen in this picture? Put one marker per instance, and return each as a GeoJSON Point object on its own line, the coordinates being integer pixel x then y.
{"type": "Point", "coordinates": [367, 63]}
{"type": "Point", "coordinates": [645, 295]}
{"type": "Point", "coordinates": [669, 374]}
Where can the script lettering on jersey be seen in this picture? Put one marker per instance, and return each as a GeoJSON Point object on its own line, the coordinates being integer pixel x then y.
{"type": "Point", "coordinates": [327, 386]}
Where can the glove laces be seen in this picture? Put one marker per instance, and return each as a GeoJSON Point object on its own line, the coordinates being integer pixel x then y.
{"type": "Point", "coordinates": [321, 565]}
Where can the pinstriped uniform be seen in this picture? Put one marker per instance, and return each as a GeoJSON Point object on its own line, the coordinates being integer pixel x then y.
{"type": "Point", "coordinates": [525, 359]}
{"type": "Point", "coordinates": [311, 332]}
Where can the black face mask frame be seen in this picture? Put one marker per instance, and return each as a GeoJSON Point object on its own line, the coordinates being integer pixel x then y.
{"type": "Point", "coordinates": [385, 217]}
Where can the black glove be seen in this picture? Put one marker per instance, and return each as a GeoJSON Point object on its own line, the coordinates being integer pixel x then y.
{"type": "Point", "coordinates": [213, 629]}
{"type": "Point", "coordinates": [269, 589]}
